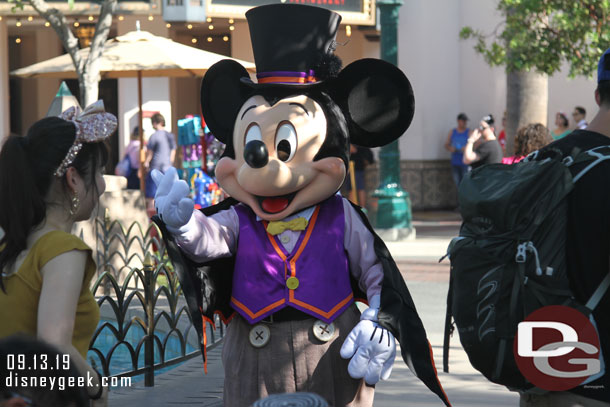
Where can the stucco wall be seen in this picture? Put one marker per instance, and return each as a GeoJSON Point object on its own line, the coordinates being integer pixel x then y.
{"type": "Point", "coordinates": [448, 77]}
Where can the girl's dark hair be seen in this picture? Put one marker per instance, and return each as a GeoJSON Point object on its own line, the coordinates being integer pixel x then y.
{"type": "Point", "coordinates": [531, 138]}
{"type": "Point", "coordinates": [27, 165]}
{"type": "Point", "coordinates": [564, 119]}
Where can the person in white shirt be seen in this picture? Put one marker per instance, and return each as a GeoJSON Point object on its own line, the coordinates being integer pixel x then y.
{"type": "Point", "coordinates": [579, 114]}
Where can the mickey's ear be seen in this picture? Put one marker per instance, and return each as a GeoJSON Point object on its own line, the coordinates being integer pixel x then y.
{"type": "Point", "coordinates": [377, 100]}
{"type": "Point", "coordinates": [222, 94]}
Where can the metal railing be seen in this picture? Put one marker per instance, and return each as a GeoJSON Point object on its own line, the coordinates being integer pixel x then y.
{"type": "Point", "coordinates": [134, 293]}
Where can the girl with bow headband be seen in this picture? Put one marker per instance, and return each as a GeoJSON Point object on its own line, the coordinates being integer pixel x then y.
{"type": "Point", "coordinates": [50, 179]}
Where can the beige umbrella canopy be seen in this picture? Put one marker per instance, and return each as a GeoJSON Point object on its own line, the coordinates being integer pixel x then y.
{"type": "Point", "coordinates": [136, 51]}
{"type": "Point", "coordinates": [135, 54]}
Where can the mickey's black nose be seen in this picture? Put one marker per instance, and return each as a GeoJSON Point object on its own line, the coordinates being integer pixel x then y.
{"type": "Point", "coordinates": [256, 154]}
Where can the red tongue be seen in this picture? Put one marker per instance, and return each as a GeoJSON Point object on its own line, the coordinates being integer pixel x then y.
{"type": "Point", "coordinates": [274, 205]}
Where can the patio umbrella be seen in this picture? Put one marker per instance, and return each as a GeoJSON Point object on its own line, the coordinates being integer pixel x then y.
{"type": "Point", "coordinates": [135, 54]}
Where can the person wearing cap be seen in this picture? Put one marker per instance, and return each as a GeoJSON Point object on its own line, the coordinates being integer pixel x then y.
{"type": "Point", "coordinates": [482, 147]}
{"type": "Point", "coordinates": [562, 126]}
{"type": "Point", "coordinates": [456, 142]}
{"type": "Point", "coordinates": [587, 242]}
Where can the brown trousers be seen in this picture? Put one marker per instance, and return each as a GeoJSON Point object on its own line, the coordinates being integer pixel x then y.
{"type": "Point", "coordinates": [559, 399]}
{"type": "Point", "coordinates": [294, 360]}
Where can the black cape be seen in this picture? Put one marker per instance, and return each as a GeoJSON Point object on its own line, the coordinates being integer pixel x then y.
{"type": "Point", "coordinates": [207, 290]}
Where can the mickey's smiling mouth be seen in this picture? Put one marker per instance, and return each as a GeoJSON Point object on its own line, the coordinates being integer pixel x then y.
{"type": "Point", "coordinates": [275, 204]}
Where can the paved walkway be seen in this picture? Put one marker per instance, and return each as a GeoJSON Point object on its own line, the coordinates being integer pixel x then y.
{"type": "Point", "coordinates": [186, 385]}
{"type": "Point", "coordinates": [428, 282]}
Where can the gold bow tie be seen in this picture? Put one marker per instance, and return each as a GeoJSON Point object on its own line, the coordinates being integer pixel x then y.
{"type": "Point", "coordinates": [276, 227]}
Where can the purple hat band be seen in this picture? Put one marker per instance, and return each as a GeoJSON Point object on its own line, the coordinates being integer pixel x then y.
{"type": "Point", "coordinates": [290, 77]}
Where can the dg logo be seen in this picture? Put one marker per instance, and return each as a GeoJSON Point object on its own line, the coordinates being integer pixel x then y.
{"type": "Point", "coordinates": [557, 348]}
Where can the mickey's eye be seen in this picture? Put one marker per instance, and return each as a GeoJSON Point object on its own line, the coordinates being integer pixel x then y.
{"type": "Point", "coordinates": [253, 133]}
{"type": "Point", "coordinates": [285, 141]}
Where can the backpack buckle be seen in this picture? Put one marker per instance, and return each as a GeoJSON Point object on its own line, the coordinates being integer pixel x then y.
{"type": "Point", "coordinates": [521, 253]}
{"type": "Point", "coordinates": [533, 155]}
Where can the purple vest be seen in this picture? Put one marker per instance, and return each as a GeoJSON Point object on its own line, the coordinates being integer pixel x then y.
{"type": "Point", "coordinates": [318, 261]}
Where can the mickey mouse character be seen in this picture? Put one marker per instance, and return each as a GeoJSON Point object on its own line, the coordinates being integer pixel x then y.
{"type": "Point", "coordinates": [286, 256]}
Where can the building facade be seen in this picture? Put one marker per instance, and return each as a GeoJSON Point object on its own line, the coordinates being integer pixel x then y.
{"type": "Point", "coordinates": [448, 77]}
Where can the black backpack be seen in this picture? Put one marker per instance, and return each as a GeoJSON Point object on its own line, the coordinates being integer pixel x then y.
{"type": "Point", "coordinates": [509, 258]}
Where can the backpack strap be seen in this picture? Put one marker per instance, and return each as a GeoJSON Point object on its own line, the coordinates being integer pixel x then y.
{"type": "Point", "coordinates": [599, 293]}
{"type": "Point", "coordinates": [594, 156]}
{"type": "Point", "coordinates": [448, 332]}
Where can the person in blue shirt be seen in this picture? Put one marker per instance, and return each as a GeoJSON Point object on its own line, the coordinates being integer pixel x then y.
{"type": "Point", "coordinates": [160, 154]}
{"type": "Point", "coordinates": [456, 142]}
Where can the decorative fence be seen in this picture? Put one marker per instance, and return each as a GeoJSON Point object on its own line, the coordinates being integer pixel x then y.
{"type": "Point", "coordinates": [134, 274]}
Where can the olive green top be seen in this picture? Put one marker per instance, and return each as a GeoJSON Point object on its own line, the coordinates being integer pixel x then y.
{"type": "Point", "coordinates": [19, 305]}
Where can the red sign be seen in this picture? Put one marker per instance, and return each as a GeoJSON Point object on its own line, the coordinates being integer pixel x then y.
{"type": "Point", "coordinates": [557, 348]}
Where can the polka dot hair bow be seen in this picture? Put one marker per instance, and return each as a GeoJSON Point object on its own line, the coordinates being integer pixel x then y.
{"type": "Point", "coordinates": [93, 125]}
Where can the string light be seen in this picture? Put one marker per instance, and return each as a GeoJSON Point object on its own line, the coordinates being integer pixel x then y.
{"type": "Point", "coordinates": [210, 39]}
{"type": "Point", "coordinates": [18, 23]}
{"type": "Point", "coordinates": [211, 27]}
{"type": "Point", "coordinates": [0, 18]}
{"type": "Point", "coordinates": [225, 38]}
{"type": "Point", "coordinates": [150, 17]}
{"type": "Point", "coordinates": [90, 18]}
{"type": "Point", "coordinates": [231, 21]}
{"type": "Point", "coordinates": [18, 40]}
{"type": "Point", "coordinates": [231, 27]}
{"type": "Point", "coordinates": [209, 19]}
{"type": "Point", "coordinates": [121, 18]}
{"type": "Point", "coordinates": [168, 25]}
{"type": "Point", "coordinates": [190, 26]}
{"type": "Point", "coordinates": [194, 40]}
{"type": "Point", "coordinates": [47, 24]}
{"type": "Point", "coordinates": [76, 23]}
{"type": "Point", "coordinates": [30, 18]}
{"type": "Point", "coordinates": [348, 30]}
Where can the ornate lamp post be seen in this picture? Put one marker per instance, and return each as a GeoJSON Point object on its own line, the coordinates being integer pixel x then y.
{"type": "Point", "coordinates": [394, 209]}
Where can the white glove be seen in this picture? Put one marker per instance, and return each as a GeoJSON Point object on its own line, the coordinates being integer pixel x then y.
{"type": "Point", "coordinates": [172, 201]}
{"type": "Point", "coordinates": [372, 349]}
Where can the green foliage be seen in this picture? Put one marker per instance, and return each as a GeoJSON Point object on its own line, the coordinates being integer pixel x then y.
{"type": "Point", "coordinates": [17, 6]}
{"type": "Point", "coordinates": [541, 34]}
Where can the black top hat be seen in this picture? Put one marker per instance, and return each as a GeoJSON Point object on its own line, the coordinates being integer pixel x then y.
{"type": "Point", "coordinates": [293, 50]}
{"type": "Point", "coordinates": [289, 41]}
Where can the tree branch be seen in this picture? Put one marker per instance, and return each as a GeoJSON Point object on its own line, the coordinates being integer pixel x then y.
{"type": "Point", "coordinates": [546, 26]}
{"type": "Point", "coordinates": [91, 71]}
{"type": "Point", "coordinates": [102, 29]}
{"type": "Point", "coordinates": [60, 25]}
